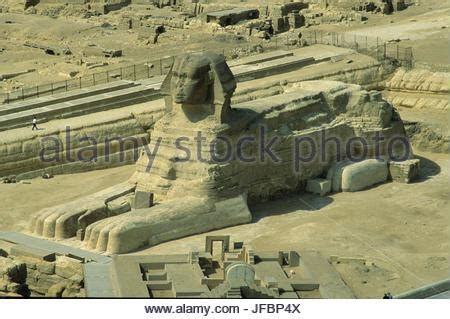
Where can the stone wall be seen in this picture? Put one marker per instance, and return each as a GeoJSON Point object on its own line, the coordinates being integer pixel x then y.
{"type": "Point", "coordinates": [65, 151]}
{"type": "Point", "coordinates": [28, 276]}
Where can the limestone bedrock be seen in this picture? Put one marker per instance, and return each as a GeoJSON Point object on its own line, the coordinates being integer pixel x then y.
{"type": "Point", "coordinates": [198, 188]}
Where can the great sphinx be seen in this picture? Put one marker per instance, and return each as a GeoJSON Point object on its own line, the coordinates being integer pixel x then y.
{"type": "Point", "coordinates": [198, 185]}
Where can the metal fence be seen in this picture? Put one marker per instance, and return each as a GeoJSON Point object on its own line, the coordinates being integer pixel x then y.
{"type": "Point", "coordinates": [432, 67]}
{"type": "Point", "coordinates": [372, 46]}
{"type": "Point", "coordinates": [134, 72]}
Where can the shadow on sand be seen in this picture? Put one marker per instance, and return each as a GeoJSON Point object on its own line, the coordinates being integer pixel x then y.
{"type": "Point", "coordinates": [428, 168]}
{"type": "Point", "coordinates": [304, 202]}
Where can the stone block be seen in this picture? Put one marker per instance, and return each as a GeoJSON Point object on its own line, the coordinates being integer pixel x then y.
{"type": "Point", "coordinates": [32, 278]}
{"type": "Point", "coordinates": [45, 282]}
{"type": "Point", "coordinates": [56, 290]}
{"type": "Point", "coordinates": [28, 251]}
{"type": "Point", "coordinates": [294, 259]}
{"type": "Point", "coordinates": [6, 246]}
{"type": "Point", "coordinates": [304, 285]}
{"type": "Point", "coordinates": [77, 280]}
{"type": "Point", "coordinates": [361, 175]}
{"type": "Point", "coordinates": [67, 267]}
{"type": "Point", "coordinates": [404, 172]}
{"type": "Point", "coordinates": [318, 186]}
{"type": "Point", "coordinates": [46, 267]}
{"type": "Point", "coordinates": [142, 200]}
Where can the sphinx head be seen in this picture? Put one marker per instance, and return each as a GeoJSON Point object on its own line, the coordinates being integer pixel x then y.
{"type": "Point", "coordinates": [191, 78]}
{"type": "Point", "coordinates": [201, 78]}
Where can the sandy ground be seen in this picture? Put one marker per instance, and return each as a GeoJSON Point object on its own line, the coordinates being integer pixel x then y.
{"type": "Point", "coordinates": [20, 201]}
{"type": "Point", "coordinates": [402, 229]}
{"type": "Point", "coordinates": [82, 36]}
{"type": "Point", "coordinates": [424, 27]}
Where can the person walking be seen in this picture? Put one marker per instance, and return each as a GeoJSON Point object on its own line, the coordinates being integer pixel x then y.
{"type": "Point", "coordinates": [34, 124]}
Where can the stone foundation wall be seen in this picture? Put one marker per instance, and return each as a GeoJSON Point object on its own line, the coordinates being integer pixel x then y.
{"type": "Point", "coordinates": [27, 276]}
{"type": "Point", "coordinates": [64, 151]}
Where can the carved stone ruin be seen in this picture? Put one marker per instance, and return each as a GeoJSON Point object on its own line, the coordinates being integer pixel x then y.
{"type": "Point", "coordinates": [204, 192]}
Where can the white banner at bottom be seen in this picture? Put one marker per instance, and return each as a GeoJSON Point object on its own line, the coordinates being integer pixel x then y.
{"type": "Point", "coordinates": [221, 308]}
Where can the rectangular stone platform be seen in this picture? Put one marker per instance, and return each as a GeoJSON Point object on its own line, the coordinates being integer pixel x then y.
{"type": "Point", "coordinates": [63, 97]}
{"type": "Point", "coordinates": [38, 245]}
{"type": "Point", "coordinates": [259, 58]}
{"type": "Point", "coordinates": [249, 72]}
{"type": "Point", "coordinates": [89, 104]}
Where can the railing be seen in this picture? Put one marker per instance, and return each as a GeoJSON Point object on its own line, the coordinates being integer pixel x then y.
{"type": "Point", "coordinates": [372, 46]}
{"type": "Point", "coordinates": [132, 72]}
{"type": "Point", "coordinates": [432, 67]}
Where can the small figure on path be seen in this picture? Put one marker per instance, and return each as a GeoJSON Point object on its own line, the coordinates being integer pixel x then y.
{"type": "Point", "coordinates": [34, 124]}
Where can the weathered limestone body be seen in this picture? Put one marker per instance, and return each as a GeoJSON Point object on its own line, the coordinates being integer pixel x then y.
{"type": "Point", "coordinates": [197, 184]}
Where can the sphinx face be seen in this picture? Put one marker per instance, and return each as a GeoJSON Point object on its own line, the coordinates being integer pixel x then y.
{"type": "Point", "coordinates": [190, 80]}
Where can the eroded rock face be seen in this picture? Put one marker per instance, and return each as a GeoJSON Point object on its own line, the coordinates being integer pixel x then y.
{"type": "Point", "coordinates": [207, 159]}
{"type": "Point", "coordinates": [421, 89]}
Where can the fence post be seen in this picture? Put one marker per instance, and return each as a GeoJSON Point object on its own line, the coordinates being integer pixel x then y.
{"type": "Point", "coordinates": [315, 37]}
{"type": "Point", "coordinates": [121, 74]}
{"type": "Point", "coordinates": [93, 78]}
{"type": "Point", "coordinates": [37, 90]}
{"type": "Point", "coordinates": [148, 70]}
{"type": "Point", "coordinates": [366, 43]}
{"type": "Point", "coordinates": [160, 67]}
{"type": "Point", "coordinates": [66, 86]}
{"type": "Point", "coordinates": [385, 49]}
{"type": "Point", "coordinates": [398, 53]}
{"type": "Point", "coordinates": [51, 87]}
{"type": "Point", "coordinates": [107, 76]}
{"type": "Point", "coordinates": [80, 81]}
{"type": "Point", "coordinates": [23, 95]}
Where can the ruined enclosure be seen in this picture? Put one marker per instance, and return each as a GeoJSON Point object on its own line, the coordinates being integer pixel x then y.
{"type": "Point", "coordinates": [142, 139]}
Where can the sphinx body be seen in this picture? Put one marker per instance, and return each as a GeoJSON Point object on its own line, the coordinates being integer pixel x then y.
{"type": "Point", "coordinates": [211, 159]}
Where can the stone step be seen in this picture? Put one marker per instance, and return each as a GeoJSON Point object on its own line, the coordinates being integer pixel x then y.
{"type": "Point", "coordinates": [159, 284]}
{"type": "Point", "coordinates": [156, 274]}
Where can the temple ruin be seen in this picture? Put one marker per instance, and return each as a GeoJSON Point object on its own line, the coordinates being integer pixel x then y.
{"type": "Point", "coordinates": [208, 149]}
